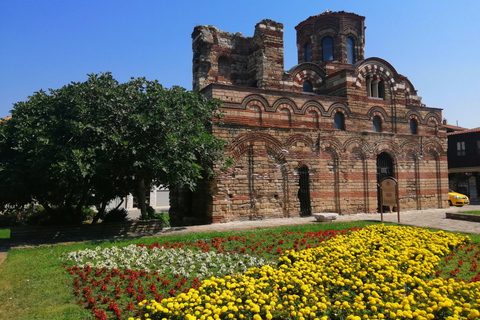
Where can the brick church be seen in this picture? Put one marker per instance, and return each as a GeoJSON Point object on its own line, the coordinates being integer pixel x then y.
{"type": "Point", "coordinates": [317, 137]}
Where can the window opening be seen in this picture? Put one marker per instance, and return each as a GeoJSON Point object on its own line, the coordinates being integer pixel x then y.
{"type": "Point", "coordinates": [375, 88]}
{"type": "Point", "coordinates": [461, 148]}
{"type": "Point", "coordinates": [307, 86]}
{"type": "Point", "coordinates": [377, 124]}
{"type": "Point", "coordinates": [308, 56]}
{"type": "Point", "coordinates": [413, 126]}
{"type": "Point", "coordinates": [350, 50]}
{"type": "Point", "coordinates": [327, 49]}
{"type": "Point", "coordinates": [338, 121]}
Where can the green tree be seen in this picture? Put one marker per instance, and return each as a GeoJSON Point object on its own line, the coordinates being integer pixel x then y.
{"type": "Point", "coordinates": [89, 142]}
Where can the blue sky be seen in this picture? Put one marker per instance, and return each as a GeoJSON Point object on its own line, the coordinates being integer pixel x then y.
{"type": "Point", "coordinates": [49, 43]}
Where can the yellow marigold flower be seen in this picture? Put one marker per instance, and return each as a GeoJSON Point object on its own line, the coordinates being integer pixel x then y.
{"type": "Point", "coordinates": [474, 314]}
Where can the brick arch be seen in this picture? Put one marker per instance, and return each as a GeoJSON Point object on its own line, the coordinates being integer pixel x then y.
{"type": "Point", "coordinates": [376, 67]}
{"type": "Point", "coordinates": [302, 138]}
{"type": "Point", "coordinates": [285, 103]}
{"type": "Point", "coordinates": [330, 143]}
{"type": "Point", "coordinates": [410, 146]}
{"type": "Point", "coordinates": [353, 34]}
{"type": "Point", "coordinates": [303, 163]}
{"type": "Point", "coordinates": [239, 145]}
{"type": "Point", "coordinates": [304, 67]}
{"type": "Point", "coordinates": [308, 72]}
{"type": "Point", "coordinates": [434, 117]}
{"type": "Point", "coordinates": [356, 142]}
{"type": "Point", "coordinates": [387, 146]}
{"type": "Point", "coordinates": [432, 145]}
{"type": "Point", "coordinates": [261, 101]}
{"type": "Point", "coordinates": [412, 114]}
{"type": "Point", "coordinates": [338, 107]}
{"type": "Point", "coordinates": [377, 111]}
{"type": "Point", "coordinates": [313, 105]}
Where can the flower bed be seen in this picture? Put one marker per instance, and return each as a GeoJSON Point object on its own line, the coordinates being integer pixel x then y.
{"type": "Point", "coordinates": [374, 273]}
{"type": "Point", "coordinates": [111, 281]}
{"type": "Point", "coordinates": [378, 272]}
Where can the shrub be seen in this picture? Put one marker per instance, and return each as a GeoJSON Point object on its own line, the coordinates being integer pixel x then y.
{"type": "Point", "coordinates": [7, 220]}
{"type": "Point", "coordinates": [116, 215]}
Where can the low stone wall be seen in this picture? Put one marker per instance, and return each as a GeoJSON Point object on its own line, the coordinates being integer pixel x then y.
{"type": "Point", "coordinates": [463, 216]}
{"type": "Point", "coordinates": [101, 231]}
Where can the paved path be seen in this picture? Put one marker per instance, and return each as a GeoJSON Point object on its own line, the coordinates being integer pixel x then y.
{"type": "Point", "coordinates": [432, 218]}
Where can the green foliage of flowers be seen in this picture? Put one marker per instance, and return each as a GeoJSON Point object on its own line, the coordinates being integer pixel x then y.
{"type": "Point", "coordinates": [375, 273]}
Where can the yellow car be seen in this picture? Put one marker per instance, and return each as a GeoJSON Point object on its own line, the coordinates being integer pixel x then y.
{"type": "Point", "coordinates": [457, 199]}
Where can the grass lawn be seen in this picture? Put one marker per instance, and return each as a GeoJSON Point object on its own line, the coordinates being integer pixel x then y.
{"type": "Point", "coordinates": [4, 233]}
{"type": "Point", "coordinates": [471, 212]}
{"type": "Point", "coordinates": [36, 286]}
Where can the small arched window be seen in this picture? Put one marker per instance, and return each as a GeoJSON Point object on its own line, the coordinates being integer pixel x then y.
{"type": "Point", "coordinates": [350, 50]}
{"type": "Point", "coordinates": [338, 121]}
{"type": "Point", "coordinates": [308, 54]}
{"type": "Point", "coordinates": [413, 126]}
{"type": "Point", "coordinates": [377, 124]}
{"type": "Point", "coordinates": [381, 89]}
{"type": "Point", "coordinates": [224, 67]}
{"type": "Point", "coordinates": [375, 88]}
{"type": "Point", "coordinates": [307, 86]}
{"type": "Point", "coordinates": [327, 49]}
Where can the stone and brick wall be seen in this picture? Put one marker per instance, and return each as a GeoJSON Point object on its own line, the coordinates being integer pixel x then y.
{"type": "Point", "coordinates": [273, 128]}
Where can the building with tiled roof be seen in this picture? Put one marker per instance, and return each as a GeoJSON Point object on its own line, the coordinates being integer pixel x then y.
{"type": "Point", "coordinates": [464, 161]}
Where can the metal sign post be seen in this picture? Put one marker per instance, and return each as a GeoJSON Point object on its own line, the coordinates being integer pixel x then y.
{"type": "Point", "coordinates": [389, 195]}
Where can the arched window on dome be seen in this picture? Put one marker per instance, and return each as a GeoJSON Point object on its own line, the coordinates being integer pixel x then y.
{"type": "Point", "coordinates": [339, 121]}
{"type": "Point", "coordinates": [307, 52]}
{"type": "Point", "coordinates": [307, 86]}
{"type": "Point", "coordinates": [377, 124]}
{"type": "Point", "coordinates": [350, 50]}
{"type": "Point", "coordinates": [327, 49]}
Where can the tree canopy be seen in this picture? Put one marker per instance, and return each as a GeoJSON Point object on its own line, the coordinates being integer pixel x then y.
{"type": "Point", "coordinates": [90, 142]}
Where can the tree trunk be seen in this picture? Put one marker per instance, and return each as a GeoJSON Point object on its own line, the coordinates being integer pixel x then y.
{"type": "Point", "coordinates": [100, 212]}
{"type": "Point", "coordinates": [141, 196]}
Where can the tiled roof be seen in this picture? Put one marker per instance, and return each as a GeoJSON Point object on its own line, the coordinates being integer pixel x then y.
{"type": "Point", "coordinates": [454, 128]}
{"type": "Point", "coordinates": [464, 131]}
{"type": "Point", "coordinates": [4, 119]}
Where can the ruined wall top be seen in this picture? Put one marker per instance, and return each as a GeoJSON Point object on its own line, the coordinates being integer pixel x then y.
{"type": "Point", "coordinates": [230, 58]}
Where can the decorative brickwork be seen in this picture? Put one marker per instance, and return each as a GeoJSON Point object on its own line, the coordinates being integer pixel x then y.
{"type": "Point", "coordinates": [278, 127]}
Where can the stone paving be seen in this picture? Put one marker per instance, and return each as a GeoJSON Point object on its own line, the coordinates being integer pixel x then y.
{"type": "Point", "coordinates": [431, 218]}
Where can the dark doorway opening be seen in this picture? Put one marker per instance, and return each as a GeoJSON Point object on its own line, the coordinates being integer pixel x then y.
{"type": "Point", "coordinates": [304, 191]}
